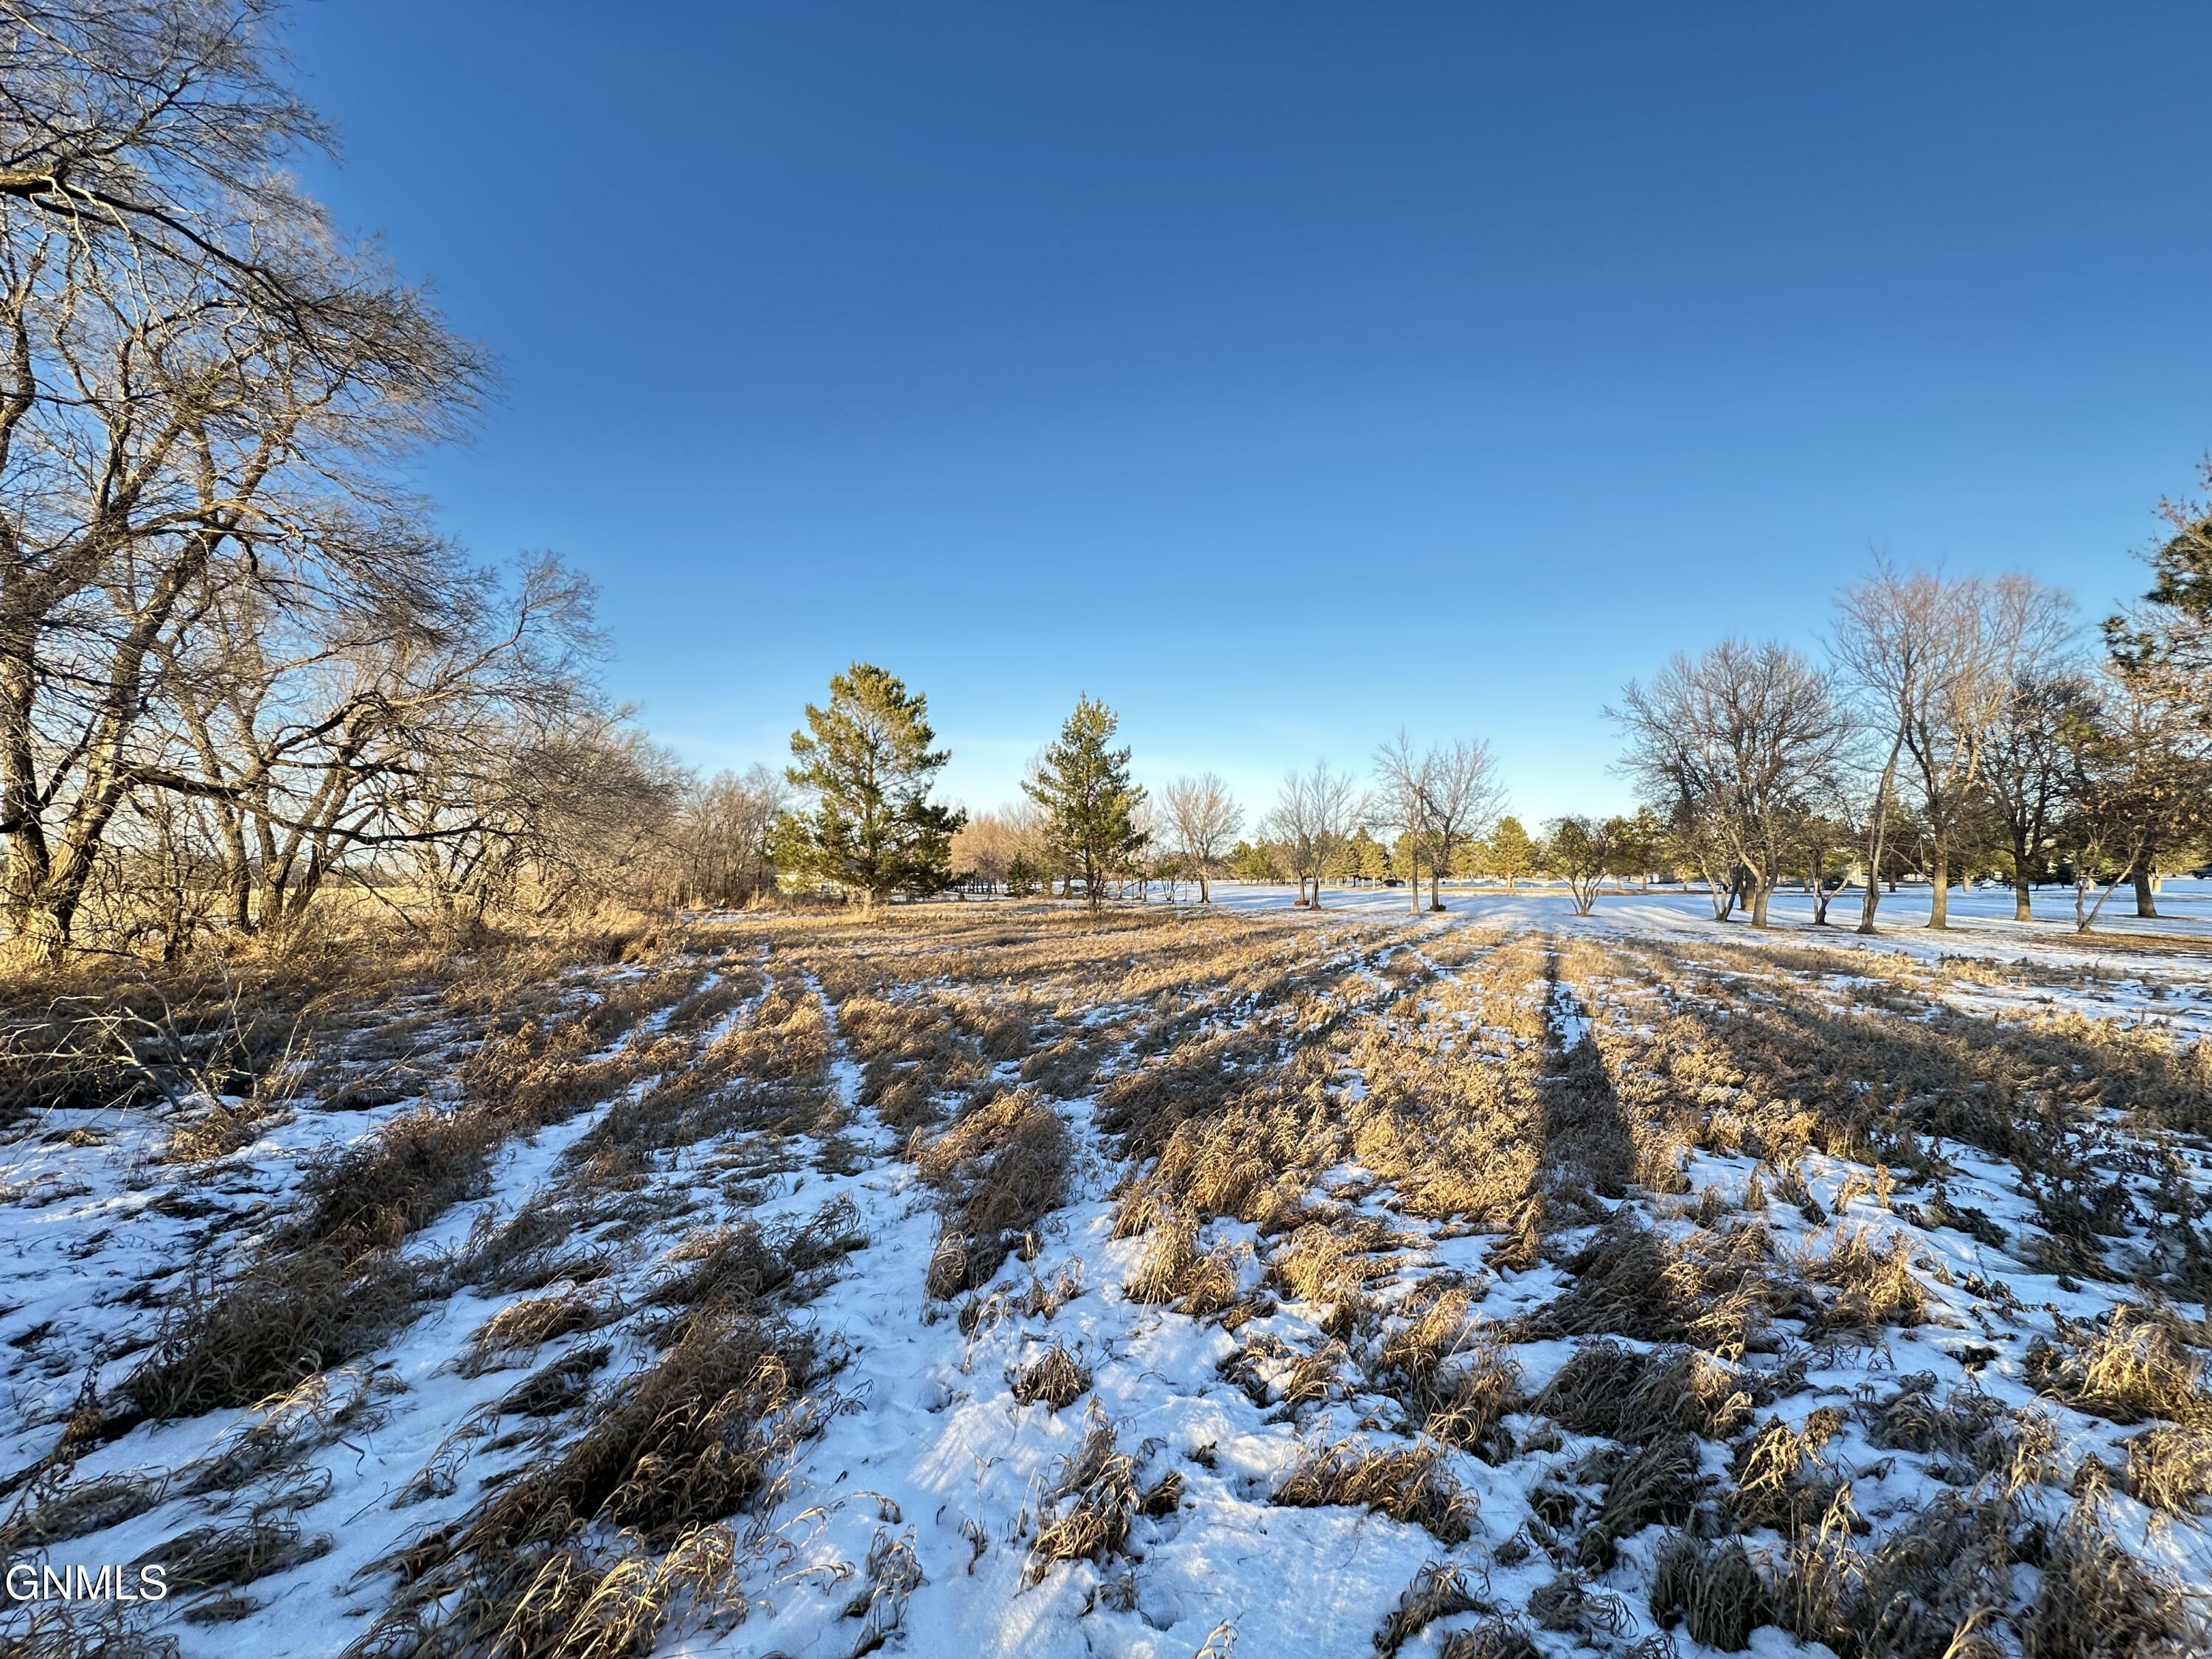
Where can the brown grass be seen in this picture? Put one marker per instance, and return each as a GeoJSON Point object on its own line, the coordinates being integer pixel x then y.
{"type": "Point", "coordinates": [282, 1319]}
{"type": "Point", "coordinates": [2094, 1601]}
{"type": "Point", "coordinates": [701, 1434]}
{"type": "Point", "coordinates": [1439, 1590]}
{"type": "Point", "coordinates": [1715, 1590]}
{"type": "Point", "coordinates": [1633, 1397]}
{"type": "Point", "coordinates": [2134, 1370]}
{"type": "Point", "coordinates": [1055, 1376]}
{"type": "Point", "coordinates": [1406, 1483]}
{"type": "Point", "coordinates": [1087, 1512]}
{"type": "Point", "coordinates": [516, 1332]}
{"type": "Point", "coordinates": [1002, 1168]}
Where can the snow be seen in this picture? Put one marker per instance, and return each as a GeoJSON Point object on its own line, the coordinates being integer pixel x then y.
{"type": "Point", "coordinates": [930, 1448]}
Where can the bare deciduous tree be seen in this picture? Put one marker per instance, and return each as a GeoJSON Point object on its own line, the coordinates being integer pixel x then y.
{"type": "Point", "coordinates": [1401, 801]}
{"type": "Point", "coordinates": [1311, 818]}
{"type": "Point", "coordinates": [1203, 820]}
{"type": "Point", "coordinates": [2024, 769]}
{"type": "Point", "coordinates": [1465, 796]}
{"type": "Point", "coordinates": [722, 834]}
{"type": "Point", "coordinates": [1743, 735]}
{"type": "Point", "coordinates": [205, 386]}
{"type": "Point", "coordinates": [1935, 661]}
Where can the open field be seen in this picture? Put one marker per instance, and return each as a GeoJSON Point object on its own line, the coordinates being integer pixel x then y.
{"type": "Point", "coordinates": [997, 1279]}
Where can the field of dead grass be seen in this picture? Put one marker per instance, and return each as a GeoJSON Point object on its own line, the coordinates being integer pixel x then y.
{"type": "Point", "coordinates": [996, 1278]}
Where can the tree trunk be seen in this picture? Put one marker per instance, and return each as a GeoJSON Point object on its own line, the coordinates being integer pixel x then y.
{"type": "Point", "coordinates": [1760, 890]}
{"type": "Point", "coordinates": [1939, 897]}
{"type": "Point", "coordinates": [2146, 898]}
{"type": "Point", "coordinates": [1205, 896]}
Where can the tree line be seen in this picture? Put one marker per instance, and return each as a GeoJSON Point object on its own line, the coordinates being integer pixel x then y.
{"type": "Point", "coordinates": [1957, 727]}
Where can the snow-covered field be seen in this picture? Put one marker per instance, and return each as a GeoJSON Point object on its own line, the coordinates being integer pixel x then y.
{"type": "Point", "coordinates": [1981, 918]}
{"type": "Point", "coordinates": [996, 1279]}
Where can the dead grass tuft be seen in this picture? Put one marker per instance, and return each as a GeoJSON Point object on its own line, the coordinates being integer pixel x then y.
{"type": "Point", "coordinates": [1714, 1589]}
{"type": "Point", "coordinates": [1495, 1638]}
{"type": "Point", "coordinates": [1780, 1479]}
{"type": "Point", "coordinates": [1439, 1590]}
{"type": "Point", "coordinates": [2095, 1601]}
{"type": "Point", "coordinates": [1623, 1395]}
{"type": "Point", "coordinates": [1086, 1515]}
{"type": "Point", "coordinates": [2134, 1368]}
{"type": "Point", "coordinates": [2170, 1468]}
{"type": "Point", "coordinates": [232, 1342]}
{"type": "Point", "coordinates": [516, 1332]}
{"type": "Point", "coordinates": [1406, 1483]}
{"type": "Point", "coordinates": [1055, 1376]}
{"type": "Point", "coordinates": [702, 1434]}
{"type": "Point", "coordinates": [1002, 1168]}
{"type": "Point", "coordinates": [1455, 1373]}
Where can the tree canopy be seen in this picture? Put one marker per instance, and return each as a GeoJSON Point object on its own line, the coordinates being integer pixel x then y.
{"type": "Point", "coordinates": [1089, 804]}
{"type": "Point", "coordinates": [866, 764]}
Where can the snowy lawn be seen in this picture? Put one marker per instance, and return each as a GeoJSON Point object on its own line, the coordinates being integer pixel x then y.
{"type": "Point", "coordinates": [993, 1279]}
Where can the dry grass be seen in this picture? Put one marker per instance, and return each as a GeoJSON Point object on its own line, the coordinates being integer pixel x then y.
{"type": "Point", "coordinates": [1406, 1483]}
{"type": "Point", "coordinates": [1087, 1512]}
{"type": "Point", "coordinates": [701, 1434]}
{"type": "Point", "coordinates": [2170, 1468]}
{"type": "Point", "coordinates": [1780, 1479]}
{"type": "Point", "coordinates": [1495, 1638]}
{"type": "Point", "coordinates": [2094, 1601]}
{"type": "Point", "coordinates": [1719, 1293]}
{"type": "Point", "coordinates": [281, 1320]}
{"type": "Point", "coordinates": [1635, 1398]}
{"type": "Point", "coordinates": [1353, 1100]}
{"type": "Point", "coordinates": [2134, 1370]}
{"type": "Point", "coordinates": [1715, 1591]}
{"type": "Point", "coordinates": [1055, 1376]}
{"type": "Point", "coordinates": [516, 1332]}
{"type": "Point", "coordinates": [1002, 1169]}
{"type": "Point", "coordinates": [1455, 1375]}
{"type": "Point", "coordinates": [61, 1630]}
{"type": "Point", "coordinates": [1440, 1590]}
{"type": "Point", "coordinates": [1968, 1436]}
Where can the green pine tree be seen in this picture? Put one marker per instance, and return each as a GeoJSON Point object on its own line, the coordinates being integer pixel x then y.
{"type": "Point", "coordinates": [1512, 855]}
{"type": "Point", "coordinates": [1089, 802]}
{"type": "Point", "coordinates": [1370, 862]}
{"type": "Point", "coordinates": [867, 763]}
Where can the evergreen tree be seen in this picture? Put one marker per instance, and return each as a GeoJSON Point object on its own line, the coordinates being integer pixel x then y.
{"type": "Point", "coordinates": [1248, 862]}
{"type": "Point", "coordinates": [1347, 861]}
{"type": "Point", "coordinates": [2163, 647]}
{"type": "Point", "coordinates": [1372, 862]}
{"type": "Point", "coordinates": [1512, 853]}
{"type": "Point", "coordinates": [1405, 861]}
{"type": "Point", "coordinates": [1089, 802]}
{"type": "Point", "coordinates": [866, 762]}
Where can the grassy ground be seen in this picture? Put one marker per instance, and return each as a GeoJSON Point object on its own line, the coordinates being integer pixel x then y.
{"type": "Point", "coordinates": [998, 1278]}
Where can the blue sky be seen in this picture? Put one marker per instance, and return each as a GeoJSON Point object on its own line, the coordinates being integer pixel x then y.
{"type": "Point", "coordinates": [1286, 374]}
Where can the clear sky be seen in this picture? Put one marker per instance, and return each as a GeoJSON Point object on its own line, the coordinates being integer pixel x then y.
{"type": "Point", "coordinates": [1282, 374]}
